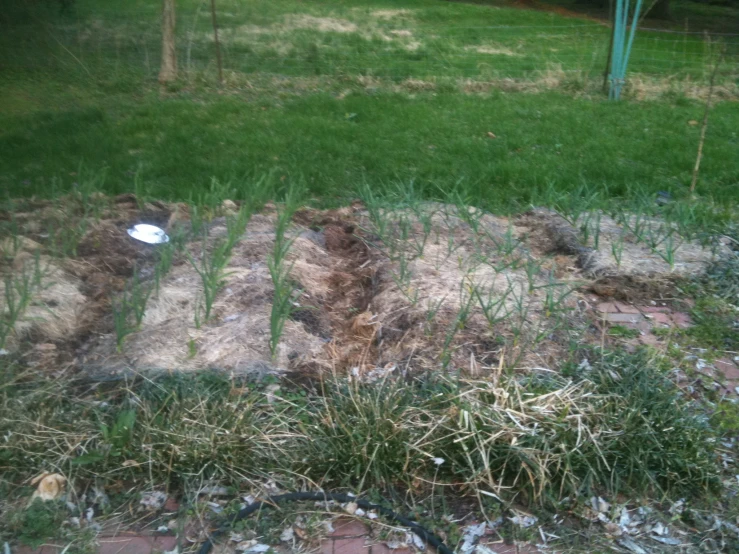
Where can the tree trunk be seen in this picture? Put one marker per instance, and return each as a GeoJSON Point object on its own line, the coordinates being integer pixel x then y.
{"type": "Point", "coordinates": [660, 10]}
{"type": "Point", "coordinates": [168, 70]}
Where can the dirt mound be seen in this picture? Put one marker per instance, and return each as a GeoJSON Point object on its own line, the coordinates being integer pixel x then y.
{"type": "Point", "coordinates": [424, 286]}
{"type": "Point", "coordinates": [628, 260]}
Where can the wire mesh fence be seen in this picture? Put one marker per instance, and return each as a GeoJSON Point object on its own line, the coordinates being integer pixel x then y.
{"type": "Point", "coordinates": [294, 45]}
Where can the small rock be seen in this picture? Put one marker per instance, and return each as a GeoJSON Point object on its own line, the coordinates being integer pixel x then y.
{"type": "Point", "coordinates": [613, 529]}
{"type": "Point", "coordinates": [153, 500]}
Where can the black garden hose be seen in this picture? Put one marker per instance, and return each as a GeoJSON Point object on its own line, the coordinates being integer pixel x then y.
{"type": "Point", "coordinates": [425, 535]}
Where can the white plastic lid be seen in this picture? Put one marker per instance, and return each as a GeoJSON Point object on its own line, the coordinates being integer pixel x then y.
{"type": "Point", "coordinates": [149, 234]}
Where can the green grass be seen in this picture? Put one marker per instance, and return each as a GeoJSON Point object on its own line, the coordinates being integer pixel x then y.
{"type": "Point", "coordinates": [435, 140]}
{"type": "Point", "coordinates": [430, 38]}
{"type": "Point", "coordinates": [334, 107]}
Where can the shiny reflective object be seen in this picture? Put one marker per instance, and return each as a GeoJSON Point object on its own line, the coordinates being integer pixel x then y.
{"type": "Point", "coordinates": [148, 234]}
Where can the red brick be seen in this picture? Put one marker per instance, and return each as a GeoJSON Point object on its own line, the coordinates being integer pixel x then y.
{"type": "Point", "coordinates": [327, 547]}
{"type": "Point", "coordinates": [655, 310]}
{"type": "Point", "coordinates": [626, 308]}
{"type": "Point", "coordinates": [164, 542]}
{"type": "Point", "coordinates": [45, 549]}
{"type": "Point", "coordinates": [649, 339]}
{"type": "Point", "coordinates": [350, 546]}
{"type": "Point", "coordinates": [500, 547]}
{"type": "Point", "coordinates": [624, 318]}
{"type": "Point", "coordinates": [607, 307]}
{"type": "Point", "coordinates": [682, 320]}
{"type": "Point", "coordinates": [125, 545]}
{"type": "Point", "coordinates": [347, 527]}
{"type": "Point", "coordinates": [728, 368]}
{"type": "Point", "coordinates": [136, 545]}
{"type": "Point", "coordinates": [381, 548]}
{"type": "Point", "coordinates": [659, 318]}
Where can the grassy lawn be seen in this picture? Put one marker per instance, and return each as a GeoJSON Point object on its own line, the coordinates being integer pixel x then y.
{"type": "Point", "coordinates": [434, 139]}
{"type": "Point", "coordinates": [341, 93]}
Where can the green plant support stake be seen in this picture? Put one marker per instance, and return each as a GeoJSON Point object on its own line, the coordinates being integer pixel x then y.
{"type": "Point", "coordinates": [621, 46]}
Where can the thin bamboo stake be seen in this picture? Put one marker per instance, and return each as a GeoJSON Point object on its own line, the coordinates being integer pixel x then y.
{"type": "Point", "coordinates": [218, 44]}
{"type": "Point", "coordinates": [612, 11]}
{"type": "Point", "coordinates": [705, 122]}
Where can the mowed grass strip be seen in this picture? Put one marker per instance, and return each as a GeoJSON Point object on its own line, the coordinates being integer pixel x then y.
{"type": "Point", "coordinates": [437, 140]}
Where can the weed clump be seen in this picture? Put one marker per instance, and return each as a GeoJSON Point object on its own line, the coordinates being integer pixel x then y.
{"type": "Point", "coordinates": [661, 441]}
{"type": "Point", "coordinates": [615, 425]}
{"type": "Point", "coordinates": [34, 525]}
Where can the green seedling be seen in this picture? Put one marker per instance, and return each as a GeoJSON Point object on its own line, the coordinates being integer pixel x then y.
{"type": "Point", "coordinates": [12, 245]}
{"type": "Point", "coordinates": [585, 231]}
{"type": "Point", "coordinates": [166, 255]}
{"type": "Point", "coordinates": [654, 236]}
{"type": "Point", "coordinates": [198, 312]}
{"type": "Point", "coordinates": [520, 310]}
{"type": "Point", "coordinates": [38, 271]}
{"type": "Point", "coordinates": [18, 291]}
{"type": "Point", "coordinates": [137, 297]}
{"type": "Point", "coordinates": [121, 320]}
{"type": "Point", "coordinates": [283, 303]}
{"type": "Point", "coordinates": [493, 305]}
{"type": "Point", "coordinates": [236, 227]}
{"type": "Point", "coordinates": [457, 325]}
{"type": "Point", "coordinates": [636, 223]}
{"type": "Point", "coordinates": [668, 254]}
{"type": "Point", "coordinates": [596, 230]}
{"type": "Point", "coordinates": [212, 271]}
{"type": "Point", "coordinates": [212, 198]}
{"type": "Point", "coordinates": [505, 247]}
{"type": "Point", "coordinates": [425, 218]}
{"type": "Point", "coordinates": [533, 269]}
{"type": "Point", "coordinates": [433, 308]}
{"type": "Point", "coordinates": [376, 211]}
{"type": "Point", "coordinates": [63, 241]}
{"type": "Point", "coordinates": [591, 225]}
{"type": "Point", "coordinates": [212, 266]}
{"type": "Point", "coordinates": [617, 249]}
{"type": "Point", "coordinates": [555, 295]}
{"type": "Point", "coordinates": [197, 220]}
{"type": "Point", "coordinates": [88, 192]}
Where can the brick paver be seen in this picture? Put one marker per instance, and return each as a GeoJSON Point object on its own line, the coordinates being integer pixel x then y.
{"type": "Point", "coordinates": [136, 545]}
{"type": "Point", "coordinates": [345, 527]}
{"type": "Point", "coordinates": [643, 318]}
{"type": "Point", "coordinates": [356, 545]}
{"type": "Point", "coordinates": [334, 544]}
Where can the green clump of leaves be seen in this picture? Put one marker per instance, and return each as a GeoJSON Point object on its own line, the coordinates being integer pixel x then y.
{"type": "Point", "coordinates": [36, 524]}
{"type": "Point", "coordinates": [716, 323]}
{"type": "Point", "coordinates": [662, 441]}
{"type": "Point", "coordinates": [116, 439]}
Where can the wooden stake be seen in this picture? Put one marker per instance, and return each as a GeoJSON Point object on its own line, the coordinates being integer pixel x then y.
{"type": "Point", "coordinates": [705, 122]}
{"type": "Point", "coordinates": [168, 69]}
{"type": "Point", "coordinates": [612, 10]}
{"type": "Point", "coordinates": [218, 44]}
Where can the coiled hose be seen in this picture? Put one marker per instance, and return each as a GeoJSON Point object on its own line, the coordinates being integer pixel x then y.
{"type": "Point", "coordinates": [425, 535]}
